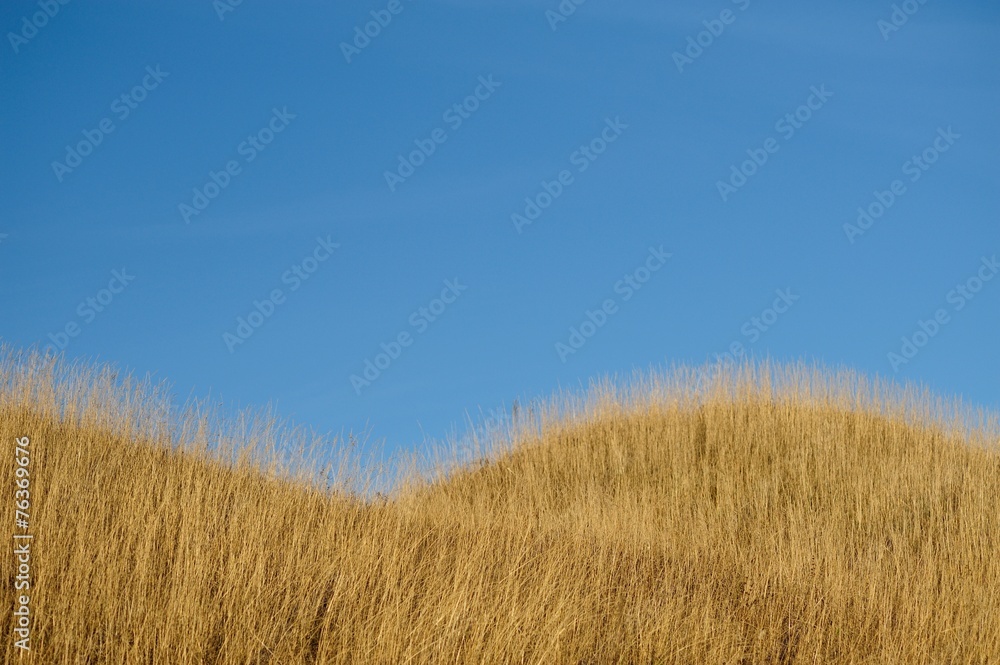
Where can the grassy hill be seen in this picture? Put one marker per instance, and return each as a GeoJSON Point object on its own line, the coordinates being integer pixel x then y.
{"type": "Point", "coordinates": [746, 515]}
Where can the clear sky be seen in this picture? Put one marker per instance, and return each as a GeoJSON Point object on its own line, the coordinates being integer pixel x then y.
{"type": "Point", "coordinates": [510, 196]}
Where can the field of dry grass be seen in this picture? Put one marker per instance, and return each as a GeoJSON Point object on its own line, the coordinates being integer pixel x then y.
{"type": "Point", "coordinates": [760, 514]}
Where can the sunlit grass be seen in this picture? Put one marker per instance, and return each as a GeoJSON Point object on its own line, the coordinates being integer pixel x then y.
{"type": "Point", "coordinates": [750, 514]}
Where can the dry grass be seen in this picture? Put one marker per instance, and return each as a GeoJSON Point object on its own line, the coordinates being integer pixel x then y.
{"type": "Point", "coordinates": [764, 514]}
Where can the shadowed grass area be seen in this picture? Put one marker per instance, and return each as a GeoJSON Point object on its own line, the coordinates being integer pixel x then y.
{"type": "Point", "coordinates": [735, 515]}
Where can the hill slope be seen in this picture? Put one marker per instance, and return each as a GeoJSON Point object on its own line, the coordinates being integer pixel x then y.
{"type": "Point", "coordinates": [749, 527]}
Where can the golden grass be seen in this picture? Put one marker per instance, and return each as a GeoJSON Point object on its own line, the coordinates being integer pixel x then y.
{"type": "Point", "coordinates": [759, 514]}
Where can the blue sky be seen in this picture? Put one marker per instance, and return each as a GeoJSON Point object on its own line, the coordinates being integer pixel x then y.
{"type": "Point", "coordinates": [617, 187]}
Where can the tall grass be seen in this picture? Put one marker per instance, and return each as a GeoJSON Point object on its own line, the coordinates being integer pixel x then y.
{"type": "Point", "coordinates": [752, 514]}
